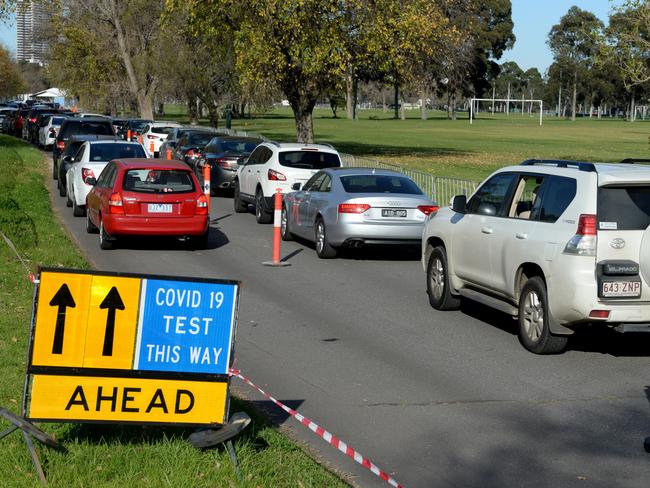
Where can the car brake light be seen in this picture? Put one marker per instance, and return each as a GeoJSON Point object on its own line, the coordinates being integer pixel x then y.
{"type": "Point", "coordinates": [115, 204]}
{"type": "Point", "coordinates": [225, 163]}
{"type": "Point", "coordinates": [151, 137]}
{"type": "Point", "coordinates": [86, 173]}
{"type": "Point", "coordinates": [584, 242]}
{"type": "Point", "coordinates": [60, 144]}
{"type": "Point", "coordinates": [428, 209]}
{"type": "Point", "coordinates": [276, 176]}
{"type": "Point", "coordinates": [201, 205]}
{"type": "Point", "coordinates": [32, 119]}
{"type": "Point", "coordinates": [353, 208]}
{"type": "Point", "coordinates": [599, 314]}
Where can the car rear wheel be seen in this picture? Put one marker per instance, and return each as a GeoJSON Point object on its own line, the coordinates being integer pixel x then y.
{"type": "Point", "coordinates": [55, 171]}
{"type": "Point", "coordinates": [534, 332]}
{"type": "Point", "coordinates": [261, 214]}
{"type": "Point", "coordinates": [284, 225]}
{"type": "Point", "coordinates": [324, 249]}
{"type": "Point", "coordinates": [90, 227]}
{"type": "Point", "coordinates": [240, 207]}
{"type": "Point", "coordinates": [105, 240]}
{"type": "Point", "coordinates": [68, 200]}
{"type": "Point", "coordinates": [61, 186]}
{"type": "Point", "coordinates": [78, 210]}
{"type": "Point", "coordinates": [438, 289]}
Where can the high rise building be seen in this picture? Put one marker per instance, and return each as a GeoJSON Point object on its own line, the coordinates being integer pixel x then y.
{"type": "Point", "coordinates": [31, 18]}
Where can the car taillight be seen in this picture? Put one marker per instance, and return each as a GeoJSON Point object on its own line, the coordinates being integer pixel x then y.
{"type": "Point", "coordinates": [86, 173]}
{"type": "Point", "coordinates": [584, 242]}
{"type": "Point", "coordinates": [60, 144]}
{"type": "Point", "coordinates": [32, 119]}
{"type": "Point", "coordinates": [193, 153]}
{"type": "Point", "coordinates": [115, 204]}
{"type": "Point", "coordinates": [428, 209]}
{"type": "Point", "coordinates": [225, 163]}
{"type": "Point", "coordinates": [201, 205]}
{"type": "Point", "coordinates": [276, 176]}
{"type": "Point", "coordinates": [151, 137]}
{"type": "Point", "coordinates": [353, 208]}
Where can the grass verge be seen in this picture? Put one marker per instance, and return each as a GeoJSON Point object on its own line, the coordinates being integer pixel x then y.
{"type": "Point", "coordinates": [107, 456]}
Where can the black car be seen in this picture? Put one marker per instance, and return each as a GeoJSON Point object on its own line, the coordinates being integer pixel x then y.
{"type": "Point", "coordinates": [66, 158]}
{"type": "Point", "coordinates": [78, 126]}
{"type": "Point", "coordinates": [119, 126]}
{"type": "Point", "coordinates": [5, 118]}
{"type": "Point", "coordinates": [136, 127]}
{"type": "Point", "coordinates": [224, 153]}
{"type": "Point", "coordinates": [33, 119]}
{"type": "Point", "coordinates": [190, 145]}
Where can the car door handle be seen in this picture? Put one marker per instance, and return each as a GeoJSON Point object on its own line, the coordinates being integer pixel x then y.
{"type": "Point", "coordinates": [487, 230]}
{"type": "Point", "coordinates": [521, 235]}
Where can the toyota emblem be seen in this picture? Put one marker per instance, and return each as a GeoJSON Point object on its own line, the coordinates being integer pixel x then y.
{"type": "Point", "coordinates": [617, 243]}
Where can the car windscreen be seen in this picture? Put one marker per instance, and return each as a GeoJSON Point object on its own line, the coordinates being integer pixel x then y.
{"type": "Point", "coordinates": [108, 152]}
{"type": "Point", "coordinates": [309, 159]}
{"type": "Point", "coordinates": [86, 127]}
{"type": "Point", "coordinates": [379, 184]}
{"type": "Point", "coordinates": [238, 146]}
{"type": "Point", "coordinates": [624, 208]}
{"type": "Point", "coordinates": [158, 181]}
{"type": "Point", "coordinates": [199, 138]}
{"type": "Point", "coordinates": [161, 130]}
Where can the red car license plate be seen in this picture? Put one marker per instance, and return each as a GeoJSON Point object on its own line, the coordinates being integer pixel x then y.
{"type": "Point", "coordinates": [160, 208]}
{"type": "Point", "coordinates": [616, 289]}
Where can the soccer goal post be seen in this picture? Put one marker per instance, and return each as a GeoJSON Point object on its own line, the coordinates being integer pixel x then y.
{"type": "Point", "coordinates": [504, 104]}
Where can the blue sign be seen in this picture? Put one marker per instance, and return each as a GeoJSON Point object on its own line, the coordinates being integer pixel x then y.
{"type": "Point", "coordinates": [185, 327]}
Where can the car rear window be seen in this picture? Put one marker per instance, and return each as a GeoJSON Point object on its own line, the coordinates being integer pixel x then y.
{"type": "Point", "coordinates": [161, 130]}
{"type": "Point", "coordinates": [158, 181]}
{"type": "Point", "coordinates": [238, 146]}
{"type": "Point", "coordinates": [138, 124]}
{"type": "Point", "coordinates": [85, 127]}
{"type": "Point", "coordinates": [199, 138]}
{"type": "Point", "coordinates": [309, 159]}
{"type": "Point", "coordinates": [379, 184]}
{"type": "Point", "coordinates": [57, 120]}
{"type": "Point", "coordinates": [108, 152]}
{"type": "Point", "coordinates": [624, 208]}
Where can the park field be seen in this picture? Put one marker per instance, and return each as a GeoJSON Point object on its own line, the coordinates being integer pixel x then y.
{"type": "Point", "coordinates": [458, 149]}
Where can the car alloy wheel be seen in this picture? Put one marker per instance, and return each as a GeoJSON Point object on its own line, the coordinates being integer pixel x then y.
{"type": "Point", "coordinates": [438, 288]}
{"type": "Point", "coordinates": [437, 278]}
{"type": "Point", "coordinates": [323, 248]}
{"type": "Point", "coordinates": [284, 225]}
{"type": "Point", "coordinates": [533, 318]}
{"type": "Point", "coordinates": [104, 238]}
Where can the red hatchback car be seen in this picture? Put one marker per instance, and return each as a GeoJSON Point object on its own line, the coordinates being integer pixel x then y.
{"type": "Point", "coordinates": [147, 197]}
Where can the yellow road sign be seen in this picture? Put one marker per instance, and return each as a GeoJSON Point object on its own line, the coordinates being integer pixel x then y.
{"type": "Point", "coordinates": [84, 398]}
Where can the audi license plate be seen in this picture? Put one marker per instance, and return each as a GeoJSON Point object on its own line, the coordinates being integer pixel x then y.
{"type": "Point", "coordinates": [392, 212]}
{"type": "Point", "coordinates": [618, 289]}
{"type": "Point", "coordinates": [160, 208]}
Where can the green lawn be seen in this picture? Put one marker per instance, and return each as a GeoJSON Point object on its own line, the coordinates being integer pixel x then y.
{"type": "Point", "coordinates": [107, 456]}
{"type": "Point", "coordinates": [456, 148]}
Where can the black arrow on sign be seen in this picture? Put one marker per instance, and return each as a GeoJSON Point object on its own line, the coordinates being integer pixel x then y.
{"type": "Point", "coordinates": [112, 302]}
{"type": "Point", "coordinates": [62, 299]}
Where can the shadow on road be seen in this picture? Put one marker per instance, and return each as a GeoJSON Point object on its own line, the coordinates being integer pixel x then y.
{"type": "Point", "coordinates": [592, 338]}
{"type": "Point", "coordinates": [274, 414]}
{"type": "Point", "coordinates": [216, 240]}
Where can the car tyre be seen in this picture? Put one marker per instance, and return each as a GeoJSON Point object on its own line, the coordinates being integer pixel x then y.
{"type": "Point", "coordinates": [262, 215]}
{"type": "Point", "coordinates": [55, 171]}
{"type": "Point", "coordinates": [90, 227]}
{"type": "Point", "coordinates": [534, 331]}
{"type": "Point", "coordinates": [438, 288]}
{"type": "Point", "coordinates": [106, 242]}
{"type": "Point", "coordinates": [240, 207]}
{"type": "Point", "coordinates": [285, 232]}
{"type": "Point", "coordinates": [62, 191]}
{"type": "Point", "coordinates": [324, 249]}
{"type": "Point", "coordinates": [78, 210]}
{"type": "Point", "coordinates": [68, 200]}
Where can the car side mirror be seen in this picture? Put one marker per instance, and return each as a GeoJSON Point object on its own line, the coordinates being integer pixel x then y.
{"type": "Point", "coordinates": [295, 187]}
{"type": "Point", "coordinates": [486, 209]}
{"type": "Point", "coordinates": [459, 204]}
{"type": "Point", "coordinates": [91, 181]}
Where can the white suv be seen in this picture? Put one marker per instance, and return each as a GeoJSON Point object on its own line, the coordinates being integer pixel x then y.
{"type": "Point", "coordinates": [557, 244]}
{"type": "Point", "coordinates": [273, 165]}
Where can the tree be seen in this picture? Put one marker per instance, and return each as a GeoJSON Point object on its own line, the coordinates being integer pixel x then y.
{"type": "Point", "coordinates": [573, 43]}
{"type": "Point", "coordinates": [11, 80]}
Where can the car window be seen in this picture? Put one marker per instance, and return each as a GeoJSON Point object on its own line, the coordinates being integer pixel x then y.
{"type": "Point", "coordinates": [158, 181]}
{"type": "Point", "coordinates": [72, 148]}
{"type": "Point", "coordinates": [316, 181]}
{"type": "Point", "coordinates": [107, 152]}
{"type": "Point", "coordinates": [110, 177]}
{"type": "Point", "coordinates": [238, 146]}
{"type": "Point", "coordinates": [527, 194]}
{"type": "Point", "coordinates": [309, 159]}
{"type": "Point", "coordinates": [102, 181]}
{"type": "Point", "coordinates": [79, 127]}
{"type": "Point", "coordinates": [624, 208]}
{"type": "Point", "coordinates": [557, 194]}
{"type": "Point", "coordinates": [326, 184]}
{"type": "Point", "coordinates": [492, 197]}
{"type": "Point", "coordinates": [199, 138]}
{"type": "Point", "coordinates": [161, 130]}
{"type": "Point", "coordinates": [379, 184]}
{"type": "Point", "coordinates": [80, 153]}
{"type": "Point", "coordinates": [255, 156]}
{"type": "Point", "coordinates": [57, 120]}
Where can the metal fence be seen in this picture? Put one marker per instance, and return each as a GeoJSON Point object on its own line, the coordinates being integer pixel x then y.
{"type": "Point", "coordinates": [438, 188]}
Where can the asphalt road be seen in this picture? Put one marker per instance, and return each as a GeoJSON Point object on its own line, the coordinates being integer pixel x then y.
{"type": "Point", "coordinates": [438, 399]}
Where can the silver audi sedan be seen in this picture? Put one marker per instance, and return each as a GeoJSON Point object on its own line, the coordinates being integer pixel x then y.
{"type": "Point", "coordinates": [353, 207]}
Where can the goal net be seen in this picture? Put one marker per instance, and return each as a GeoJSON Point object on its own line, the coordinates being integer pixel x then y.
{"type": "Point", "coordinates": [507, 106]}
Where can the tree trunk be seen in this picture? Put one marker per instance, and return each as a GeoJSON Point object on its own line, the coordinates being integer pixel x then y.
{"type": "Point", "coordinates": [423, 106]}
{"type": "Point", "coordinates": [452, 105]}
{"type": "Point", "coordinates": [355, 93]}
{"type": "Point", "coordinates": [383, 101]}
{"type": "Point", "coordinates": [396, 101]}
{"type": "Point", "coordinates": [632, 109]}
{"type": "Point", "coordinates": [349, 103]}
{"type": "Point", "coordinates": [213, 114]}
{"type": "Point", "coordinates": [191, 109]}
{"type": "Point", "coordinates": [161, 108]}
{"type": "Point", "coordinates": [575, 95]}
{"type": "Point", "coordinates": [303, 108]}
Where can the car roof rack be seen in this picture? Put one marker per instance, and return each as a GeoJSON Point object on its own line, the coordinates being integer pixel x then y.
{"type": "Point", "coordinates": [561, 163]}
{"type": "Point", "coordinates": [275, 143]}
{"type": "Point", "coordinates": [634, 161]}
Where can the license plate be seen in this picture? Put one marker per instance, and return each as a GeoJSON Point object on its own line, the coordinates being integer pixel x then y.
{"type": "Point", "coordinates": [160, 208]}
{"type": "Point", "coordinates": [391, 212]}
{"type": "Point", "coordinates": [616, 289]}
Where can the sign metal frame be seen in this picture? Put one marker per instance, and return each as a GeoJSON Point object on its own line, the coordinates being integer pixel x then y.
{"type": "Point", "coordinates": [33, 370]}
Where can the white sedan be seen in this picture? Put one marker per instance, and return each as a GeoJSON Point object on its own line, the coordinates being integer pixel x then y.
{"type": "Point", "coordinates": [154, 134]}
{"type": "Point", "coordinates": [47, 133]}
{"type": "Point", "coordinates": [90, 160]}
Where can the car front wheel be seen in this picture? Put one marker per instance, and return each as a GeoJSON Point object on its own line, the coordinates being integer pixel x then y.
{"type": "Point", "coordinates": [534, 332]}
{"type": "Point", "coordinates": [438, 289]}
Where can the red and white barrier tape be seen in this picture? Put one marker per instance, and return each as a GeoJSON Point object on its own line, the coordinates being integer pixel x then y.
{"type": "Point", "coordinates": [327, 436]}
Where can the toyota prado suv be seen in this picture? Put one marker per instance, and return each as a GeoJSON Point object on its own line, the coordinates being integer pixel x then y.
{"type": "Point", "coordinates": [556, 244]}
